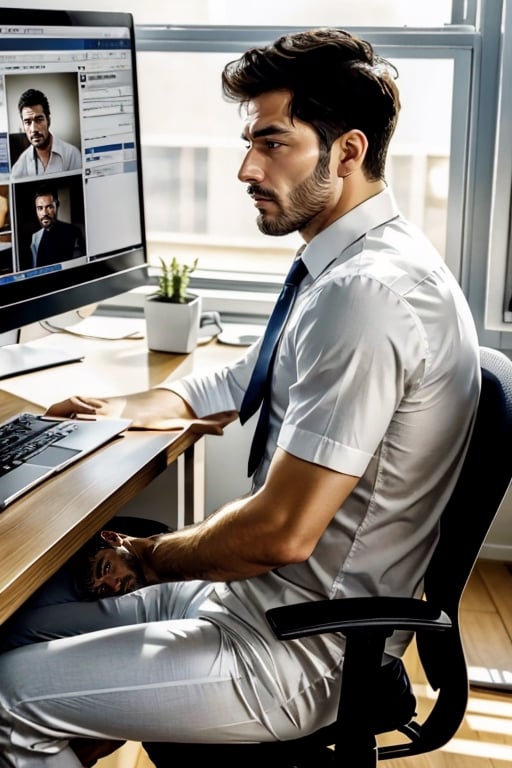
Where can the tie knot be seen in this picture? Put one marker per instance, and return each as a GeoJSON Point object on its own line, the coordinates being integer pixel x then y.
{"type": "Point", "coordinates": [297, 272]}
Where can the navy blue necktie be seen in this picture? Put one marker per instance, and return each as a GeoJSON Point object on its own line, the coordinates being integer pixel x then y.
{"type": "Point", "coordinates": [258, 391]}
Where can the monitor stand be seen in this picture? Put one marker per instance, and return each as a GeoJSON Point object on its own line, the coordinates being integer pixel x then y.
{"type": "Point", "coordinates": [17, 359]}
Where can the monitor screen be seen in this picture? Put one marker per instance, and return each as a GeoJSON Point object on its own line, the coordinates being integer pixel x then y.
{"type": "Point", "coordinates": [71, 212]}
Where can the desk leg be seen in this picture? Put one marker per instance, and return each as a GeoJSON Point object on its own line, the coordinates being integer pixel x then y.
{"type": "Point", "coordinates": [191, 490]}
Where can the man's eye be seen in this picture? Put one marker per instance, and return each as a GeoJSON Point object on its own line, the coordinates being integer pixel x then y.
{"type": "Point", "coordinates": [272, 144]}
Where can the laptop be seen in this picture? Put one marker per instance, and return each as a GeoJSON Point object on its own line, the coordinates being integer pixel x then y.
{"type": "Point", "coordinates": [35, 447]}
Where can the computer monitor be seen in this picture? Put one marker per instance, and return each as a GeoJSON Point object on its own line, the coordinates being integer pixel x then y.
{"type": "Point", "coordinates": [71, 207]}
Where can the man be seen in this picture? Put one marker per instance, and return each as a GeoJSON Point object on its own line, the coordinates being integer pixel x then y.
{"type": "Point", "coordinates": [372, 397]}
{"type": "Point", "coordinates": [56, 241]}
{"type": "Point", "coordinates": [46, 153]}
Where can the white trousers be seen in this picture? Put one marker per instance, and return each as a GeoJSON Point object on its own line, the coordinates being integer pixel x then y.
{"type": "Point", "coordinates": [142, 667]}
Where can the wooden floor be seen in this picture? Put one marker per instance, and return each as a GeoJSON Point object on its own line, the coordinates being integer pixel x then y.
{"type": "Point", "coordinates": [485, 737]}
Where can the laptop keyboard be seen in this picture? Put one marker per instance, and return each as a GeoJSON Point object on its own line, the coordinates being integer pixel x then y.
{"type": "Point", "coordinates": [27, 435]}
{"type": "Point", "coordinates": [33, 448]}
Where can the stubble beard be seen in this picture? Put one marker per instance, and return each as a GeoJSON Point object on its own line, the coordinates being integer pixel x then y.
{"type": "Point", "coordinates": [305, 201]}
{"type": "Point", "coordinates": [41, 141]}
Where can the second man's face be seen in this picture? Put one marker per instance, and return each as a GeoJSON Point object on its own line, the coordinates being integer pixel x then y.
{"type": "Point", "coordinates": [114, 571]}
{"type": "Point", "coordinates": [46, 210]}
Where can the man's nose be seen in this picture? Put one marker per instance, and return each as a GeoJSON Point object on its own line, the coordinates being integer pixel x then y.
{"type": "Point", "coordinates": [250, 171]}
{"type": "Point", "coordinates": [112, 582]}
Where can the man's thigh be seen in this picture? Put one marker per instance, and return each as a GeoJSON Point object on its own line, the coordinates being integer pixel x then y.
{"type": "Point", "coordinates": [163, 681]}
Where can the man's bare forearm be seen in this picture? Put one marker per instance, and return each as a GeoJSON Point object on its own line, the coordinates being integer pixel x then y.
{"type": "Point", "coordinates": [231, 544]}
{"type": "Point", "coordinates": [279, 524]}
{"type": "Point", "coordinates": [154, 409]}
{"type": "Point", "coordinates": [153, 405]}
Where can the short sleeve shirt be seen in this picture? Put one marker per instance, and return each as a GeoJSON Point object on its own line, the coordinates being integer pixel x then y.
{"type": "Point", "coordinates": [376, 376]}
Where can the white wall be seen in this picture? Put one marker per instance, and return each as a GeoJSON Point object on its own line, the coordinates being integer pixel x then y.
{"type": "Point", "coordinates": [224, 472]}
{"type": "Point", "coordinates": [226, 465]}
{"type": "Point", "coordinates": [158, 501]}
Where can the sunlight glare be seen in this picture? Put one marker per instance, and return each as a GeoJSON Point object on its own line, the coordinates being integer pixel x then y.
{"type": "Point", "coordinates": [490, 724]}
{"type": "Point", "coordinates": [486, 749]}
{"type": "Point", "coordinates": [489, 706]}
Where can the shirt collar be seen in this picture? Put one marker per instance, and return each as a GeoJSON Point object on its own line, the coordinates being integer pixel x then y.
{"type": "Point", "coordinates": [332, 241]}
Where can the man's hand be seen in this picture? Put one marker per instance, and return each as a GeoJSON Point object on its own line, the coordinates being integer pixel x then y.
{"type": "Point", "coordinates": [158, 409]}
{"type": "Point", "coordinates": [210, 425]}
{"type": "Point", "coordinates": [84, 406]}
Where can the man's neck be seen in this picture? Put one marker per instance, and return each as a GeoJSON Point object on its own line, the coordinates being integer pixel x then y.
{"type": "Point", "coordinates": [353, 195]}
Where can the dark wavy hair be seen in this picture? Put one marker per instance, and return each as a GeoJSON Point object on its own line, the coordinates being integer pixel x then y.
{"type": "Point", "coordinates": [32, 97]}
{"type": "Point", "coordinates": [337, 81]}
{"type": "Point", "coordinates": [46, 189]}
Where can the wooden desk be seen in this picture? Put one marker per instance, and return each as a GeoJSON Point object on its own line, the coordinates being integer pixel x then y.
{"type": "Point", "coordinates": [40, 531]}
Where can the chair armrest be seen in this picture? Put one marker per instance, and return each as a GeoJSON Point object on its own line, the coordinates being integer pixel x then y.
{"type": "Point", "coordinates": [355, 613]}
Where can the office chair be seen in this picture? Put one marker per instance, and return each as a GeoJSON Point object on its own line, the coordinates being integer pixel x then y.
{"type": "Point", "coordinates": [376, 699]}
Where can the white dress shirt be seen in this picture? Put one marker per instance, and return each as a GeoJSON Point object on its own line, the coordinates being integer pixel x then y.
{"type": "Point", "coordinates": [63, 157]}
{"type": "Point", "coordinates": [377, 376]}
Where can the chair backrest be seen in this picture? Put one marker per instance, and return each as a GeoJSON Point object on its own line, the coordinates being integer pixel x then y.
{"type": "Point", "coordinates": [483, 482]}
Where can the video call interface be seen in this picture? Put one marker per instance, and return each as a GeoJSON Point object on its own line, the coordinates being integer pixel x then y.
{"type": "Point", "coordinates": [69, 188]}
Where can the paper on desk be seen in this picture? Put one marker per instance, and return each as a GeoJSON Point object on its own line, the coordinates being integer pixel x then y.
{"type": "Point", "coordinates": [110, 328]}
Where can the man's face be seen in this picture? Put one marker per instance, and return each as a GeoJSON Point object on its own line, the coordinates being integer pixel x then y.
{"type": "Point", "coordinates": [46, 210]}
{"type": "Point", "coordinates": [293, 182]}
{"type": "Point", "coordinates": [36, 125]}
{"type": "Point", "coordinates": [114, 571]}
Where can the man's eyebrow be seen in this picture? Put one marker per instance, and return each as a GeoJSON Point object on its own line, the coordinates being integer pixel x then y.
{"type": "Point", "coordinates": [270, 130]}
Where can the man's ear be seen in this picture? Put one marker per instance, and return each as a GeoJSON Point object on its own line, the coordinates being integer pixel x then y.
{"type": "Point", "coordinates": [112, 538]}
{"type": "Point", "coordinates": [352, 147]}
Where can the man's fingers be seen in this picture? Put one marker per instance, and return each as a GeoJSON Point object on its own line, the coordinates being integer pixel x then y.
{"type": "Point", "coordinates": [79, 406]}
{"type": "Point", "coordinates": [213, 425]}
{"type": "Point", "coordinates": [73, 405]}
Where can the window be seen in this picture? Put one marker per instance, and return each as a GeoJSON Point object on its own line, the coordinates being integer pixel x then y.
{"type": "Point", "coordinates": [192, 152]}
{"type": "Point", "coordinates": [192, 147]}
{"type": "Point", "coordinates": [442, 158]}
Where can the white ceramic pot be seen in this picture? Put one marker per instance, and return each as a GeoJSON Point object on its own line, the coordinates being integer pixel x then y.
{"type": "Point", "coordinates": [172, 327]}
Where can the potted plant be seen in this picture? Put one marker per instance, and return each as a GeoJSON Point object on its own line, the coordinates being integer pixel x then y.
{"type": "Point", "coordinates": [172, 313]}
{"type": "Point", "coordinates": [174, 281]}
